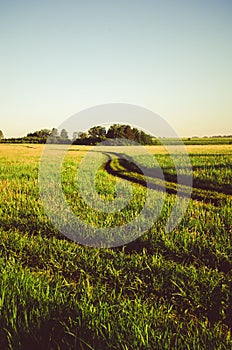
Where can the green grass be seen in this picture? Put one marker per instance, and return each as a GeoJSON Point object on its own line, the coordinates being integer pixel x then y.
{"type": "Point", "coordinates": [199, 141]}
{"type": "Point", "coordinates": [163, 291]}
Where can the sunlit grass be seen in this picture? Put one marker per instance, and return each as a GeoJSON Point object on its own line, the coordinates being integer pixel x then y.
{"type": "Point", "coordinates": [162, 291]}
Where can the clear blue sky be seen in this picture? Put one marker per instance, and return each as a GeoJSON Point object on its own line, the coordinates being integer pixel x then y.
{"type": "Point", "coordinates": [59, 57]}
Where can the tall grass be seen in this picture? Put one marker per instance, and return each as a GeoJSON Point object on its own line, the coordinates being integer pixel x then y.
{"type": "Point", "coordinates": [163, 291]}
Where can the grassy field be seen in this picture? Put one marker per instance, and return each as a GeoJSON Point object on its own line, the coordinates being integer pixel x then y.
{"type": "Point", "coordinates": [163, 291]}
{"type": "Point", "coordinates": [200, 140]}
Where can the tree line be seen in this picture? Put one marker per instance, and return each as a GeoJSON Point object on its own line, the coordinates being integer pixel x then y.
{"type": "Point", "coordinates": [94, 135]}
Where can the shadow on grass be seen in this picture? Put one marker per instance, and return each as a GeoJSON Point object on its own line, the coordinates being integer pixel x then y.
{"type": "Point", "coordinates": [202, 190]}
{"type": "Point", "coordinates": [197, 256]}
{"type": "Point", "coordinates": [53, 334]}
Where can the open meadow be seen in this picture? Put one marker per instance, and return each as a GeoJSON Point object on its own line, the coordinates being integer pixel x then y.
{"type": "Point", "coordinates": [165, 290]}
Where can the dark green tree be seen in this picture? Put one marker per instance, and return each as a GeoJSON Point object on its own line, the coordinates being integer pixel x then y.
{"type": "Point", "coordinates": [97, 132]}
{"type": "Point", "coordinates": [1, 135]}
{"type": "Point", "coordinates": [126, 132]}
{"type": "Point", "coordinates": [82, 135]}
{"type": "Point", "coordinates": [115, 131]}
{"type": "Point", "coordinates": [39, 136]}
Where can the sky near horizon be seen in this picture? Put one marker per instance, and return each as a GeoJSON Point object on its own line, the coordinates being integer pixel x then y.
{"type": "Point", "coordinates": [172, 57]}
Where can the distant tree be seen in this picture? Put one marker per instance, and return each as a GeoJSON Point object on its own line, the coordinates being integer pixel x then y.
{"type": "Point", "coordinates": [82, 135]}
{"type": "Point", "coordinates": [126, 132]}
{"type": "Point", "coordinates": [45, 132]}
{"type": "Point", "coordinates": [136, 134]}
{"type": "Point", "coordinates": [75, 135]}
{"type": "Point", "coordinates": [1, 135]}
{"type": "Point", "coordinates": [64, 134]}
{"type": "Point", "coordinates": [114, 131]}
{"type": "Point", "coordinates": [145, 139]}
{"type": "Point", "coordinates": [54, 136]}
{"type": "Point", "coordinates": [82, 139]}
{"type": "Point", "coordinates": [54, 132]}
{"type": "Point", "coordinates": [40, 133]}
{"type": "Point", "coordinates": [40, 136]}
{"type": "Point", "coordinates": [97, 132]}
